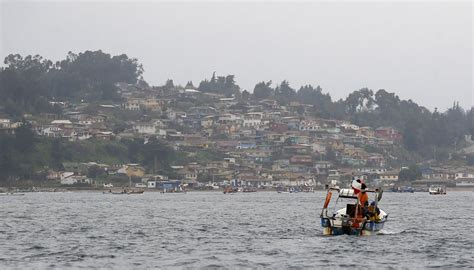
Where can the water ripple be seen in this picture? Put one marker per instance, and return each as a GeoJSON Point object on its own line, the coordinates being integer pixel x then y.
{"type": "Point", "coordinates": [214, 231]}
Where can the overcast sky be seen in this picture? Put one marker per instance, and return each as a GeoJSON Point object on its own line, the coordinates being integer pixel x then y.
{"type": "Point", "coordinates": [420, 51]}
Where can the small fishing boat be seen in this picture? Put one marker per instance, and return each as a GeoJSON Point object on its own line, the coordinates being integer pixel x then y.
{"type": "Point", "coordinates": [124, 191]}
{"type": "Point", "coordinates": [350, 219]}
{"type": "Point", "coordinates": [249, 189]}
{"type": "Point", "coordinates": [178, 189]}
{"type": "Point", "coordinates": [135, 191]}
{"type": "Point", "coordinates": [437, 190]}
{"type": "Point", "coordinates": [403, 189]}
{"type": "Point", "coordinates": [294, 189]}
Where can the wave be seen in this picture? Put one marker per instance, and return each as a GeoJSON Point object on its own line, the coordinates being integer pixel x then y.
{"type": "Point", "coordinates": [391, 232]}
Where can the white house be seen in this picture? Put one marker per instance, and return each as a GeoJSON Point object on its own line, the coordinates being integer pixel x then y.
{"type": "Point", "coordinates": [207, 121]}
{"type": "Point", "coordinates": [229, 119]}
{"type": "Point", "coordinates": [389, 176]}
{"type": "Point", "coordinates": [4, 123]}
{"type": "Point", "coordinates": [349, 126]}
{"type": "Point", "coordinates": [143, 128]}
{"type": "Point", "coordinates": [252, 119]}
{"type": "Point", "coordinates": [61, 123]}
{"type": "Point", "coordinates": [151, 184]}
{"type": "Point", "coordinates": [68, 178]}
{"type": "Point", "coordinates": [463, 176]}
{"type": "Point", "coordinates": [51, 132]}
{"type": "Point", "coordinates": [306, 125]}
{"type": "Point", "coordinates": [132, 105]}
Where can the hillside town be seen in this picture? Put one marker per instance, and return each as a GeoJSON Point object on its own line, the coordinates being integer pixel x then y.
{"type": "Point", "coordinates": [254, 143]}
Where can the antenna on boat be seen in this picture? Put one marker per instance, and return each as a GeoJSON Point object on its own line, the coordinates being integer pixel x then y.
{"type": "Point", "coordinates": [379, 194]}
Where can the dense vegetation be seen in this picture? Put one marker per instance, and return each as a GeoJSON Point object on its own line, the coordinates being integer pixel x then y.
{"type": "Point", "coordinates": [28, 84]}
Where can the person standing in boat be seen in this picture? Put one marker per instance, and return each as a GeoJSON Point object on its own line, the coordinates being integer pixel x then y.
{"type": "Point", "coordinates": [363, 199]}
{"type": "Point", "coordinates": [356, 185]}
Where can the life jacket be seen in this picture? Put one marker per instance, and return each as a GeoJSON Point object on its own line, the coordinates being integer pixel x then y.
{"type": "Point", "coordinates": [373, 213]}
{"type": "Point", "coordinates": [363, 198]}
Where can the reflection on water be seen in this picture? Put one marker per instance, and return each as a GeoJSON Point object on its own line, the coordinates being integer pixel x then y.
{"type": "Point", "coordinates": [210, 229]}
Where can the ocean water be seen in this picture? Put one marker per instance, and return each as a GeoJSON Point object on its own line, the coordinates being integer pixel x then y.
{"type": "Point", "coordinates": [263, 230]}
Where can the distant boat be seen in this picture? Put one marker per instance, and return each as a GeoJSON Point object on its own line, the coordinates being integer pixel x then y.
{"type": "Point", "coordinates": [230, 189]}
{"type": "Point", "coordinates": [249, 189]}
{"type": "Point", "coordinates": [178, 189]}
{"type": "Point", "coordinates": [124, 192]}
{"type": "Point", "coordinates": [135, 191]}
{"type": "Point", "coordinates": [403, 189]}
{"type": "Point", "coordinates": [437, 190]}
{"type": "Point", "coordinates": [11, 194]}
{"type": "Point", "coordinates": [293, 190]}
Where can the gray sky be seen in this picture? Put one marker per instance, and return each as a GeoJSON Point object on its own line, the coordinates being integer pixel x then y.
{"type": "Point", "coordinates": [421, 51]}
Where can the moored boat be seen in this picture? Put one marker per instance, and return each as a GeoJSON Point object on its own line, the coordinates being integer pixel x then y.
{"type": "Point", "coordinates": [403, 189]}
{"type": "Point", "coordinates": [135, 191]}
{"type": "Point", "coordinates": [437, 190]}
{"type": "Point", "coordinates": [351, 219]}
{"type": "Point", "coordinates": [12, 194]}
{"type": "Point", "coordinates": [178, 189]}
{"type": "Point", "coordinates": [249, 189]}
{"type": "Point", "coordinates": [124, 191]}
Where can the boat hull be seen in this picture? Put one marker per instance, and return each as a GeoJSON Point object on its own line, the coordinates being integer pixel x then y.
{"type": "Point", "coordinates": [12, 194]}
{"type": "Point", "coordinates": [437, 192]}
{"type": "Point", "coordinates": [367, 228]}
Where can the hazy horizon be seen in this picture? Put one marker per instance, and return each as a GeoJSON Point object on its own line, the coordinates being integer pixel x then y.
{"type": "Point", "coordinates": [420, 51]}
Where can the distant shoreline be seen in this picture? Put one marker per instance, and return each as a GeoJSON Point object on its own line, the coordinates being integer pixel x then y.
{"type": "Point", "coordinates": [94, 189]}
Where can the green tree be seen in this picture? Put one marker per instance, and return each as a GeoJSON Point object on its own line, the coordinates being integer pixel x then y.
{"type": "Point", "coordinates": [411, 173]}
{"type": "Point", "coordinates": [24, 138]}
{"type": "Point", "coordinates": [224, 85]}
{"type": "Point", "coordinates": [57, 154]}
{"type": "Point", "coordinates": [95, 171]}
{"type": "Point", "coordinates": [263, 90]}
{"type": "Point", "coordinates": [284, 93]}
{"type": "Point", "coordinates": [470, 160]}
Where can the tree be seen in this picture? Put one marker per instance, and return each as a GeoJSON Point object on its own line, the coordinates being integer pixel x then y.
{"type": "Point", "coordinates": [358, 101]}
{"type": "Point", "coordinates": [224, 85]}
{"type": "Point", "coordinates": [411, 173]}
{"type": "Point", "coordinates": [284, 93]}
{"type": "Point", "coordinates": [470, 160]}
{"type": "Point", "coordinates": [245, 95]}
{"type": "Point", "coordinates": [189, 85]}
{"type": "Point", "coordinates": [412, 135]}
{"type": "Point", "coordinates": [24, 138]}
{"type": "Point", "coordinates": [95, 171]}
{"type": "Point", "coordinates": [263, 90]}
{"type": "Point", "coordinates": [8, 156]}
{"type": "Point", "coordinates": [169, 84]}
{"type": "Point", "coordinates": [28, 84]}
{"type": "Point", "coordinates": [57, 154]}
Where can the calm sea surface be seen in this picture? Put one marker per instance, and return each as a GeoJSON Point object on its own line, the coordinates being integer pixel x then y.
{"type": "Point", "coordinates": [213, 230]}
